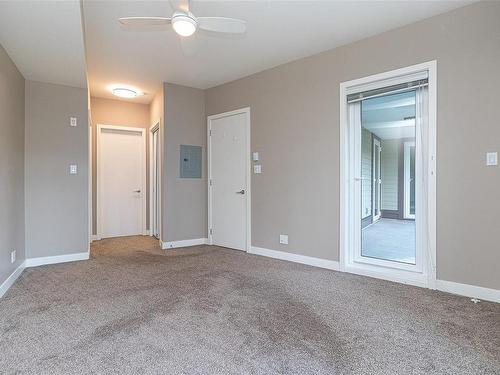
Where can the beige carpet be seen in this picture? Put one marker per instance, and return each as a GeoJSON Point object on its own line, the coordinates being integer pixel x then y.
{"type": "Point", "coordinates": [135, 309]}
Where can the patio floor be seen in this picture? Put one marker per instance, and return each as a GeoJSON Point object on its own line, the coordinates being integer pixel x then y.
{"type": "Point", "coordinates": [390, 239]}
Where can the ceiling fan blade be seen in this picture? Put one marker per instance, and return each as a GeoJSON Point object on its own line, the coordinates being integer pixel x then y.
{"type": "Point", "coordinates": [180, 5]}
{"type": "Point", "coordinates": [222, 24]}
{"type": "Point", "coordinates": [144, 21]}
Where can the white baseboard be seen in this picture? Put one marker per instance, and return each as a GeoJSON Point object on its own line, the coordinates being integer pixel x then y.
{"type": "Point", "coordinates": [11, 279]}
{"type": "Point", "coordinates": [468, 290]}
{"type": "Point", "coordinates": [316, 262]}
{"type": "Point", "coordinates": [146, 232]}
{"type": "Point", "coordinates": [184, 243]}
{"type": "Point", "coordinates": [33, 262]}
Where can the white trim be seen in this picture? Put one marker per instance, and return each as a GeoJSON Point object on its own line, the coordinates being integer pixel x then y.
{"type": "Point", "coordinates": [184, 243]}
{"type": "Point", "coordinates": [154, 128]}
{"type": "Point", "coordinates": [296, 258]}
{"type": "Point", "coordinates": [467, 290]}
{"type": "Point", "coordinates": [12, 279]}
{"type": "Point", "coordinates": [427, 277]}
{"type": "Point", "coordinates": [90, 183]}
{"type": "Point", "coordinates": [95, 237]}
{"type": "Point", "coordinates": [142, 131]}
{"type": "Point", "coordinates": [40, 261]}
{"type": "Point", "coordinates": [248, 188]}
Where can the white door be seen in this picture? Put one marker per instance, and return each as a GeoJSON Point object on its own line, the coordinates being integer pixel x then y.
{"type": "Point", "coordinates": [155, 182]}
{"type": "Point", "coordinates": [377, 180]}
{"type": "Point", "coordinates": [228, 192]}
{"type": "Point", "coordinates": [121, 164]}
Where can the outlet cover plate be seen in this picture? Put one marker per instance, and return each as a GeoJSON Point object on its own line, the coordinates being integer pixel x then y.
{"type": "Point", "coordinates": [284, 239]}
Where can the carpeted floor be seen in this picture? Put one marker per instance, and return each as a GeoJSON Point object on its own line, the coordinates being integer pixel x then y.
{"type": "Point", "coordinates": [134, 309]}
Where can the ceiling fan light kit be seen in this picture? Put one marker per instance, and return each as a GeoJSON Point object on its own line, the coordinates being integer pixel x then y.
{"type": "Point", "coordinates": [184, 24]}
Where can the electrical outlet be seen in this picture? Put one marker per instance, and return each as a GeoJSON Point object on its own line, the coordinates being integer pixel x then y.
{"type": "Point", "coordinates": [73, 169]}
{"type": "Point", "coordinates": [73, 121]}
{"type": "Point", "coordinates": [284, 239]}
{"type": "Point", "coordinates": [13, 256]}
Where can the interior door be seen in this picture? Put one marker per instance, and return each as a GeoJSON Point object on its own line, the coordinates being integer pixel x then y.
{"type": "Point", "coordinates": [377, 180]}
{"type": "Point", "coordinates": [228, 175]}
{"type": "Point", "coordinates": [155, 225]}
{"type": "Point", "coordinates": [121, 166]}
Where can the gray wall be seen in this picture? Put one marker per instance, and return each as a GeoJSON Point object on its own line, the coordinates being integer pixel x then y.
{"type": "Point", "coordinates": [11, 165]}
{"type": "Point", "coordinates": [295, 127]}
{"type": "Point", "coordinates": [185, 199]}
{"type": "Point", "coordinates": [56, 202]}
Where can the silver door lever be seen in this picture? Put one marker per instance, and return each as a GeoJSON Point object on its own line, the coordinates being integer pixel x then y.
{"type": "Point", "coordinates": [137, 191]}
{"type": "Point", "coordinates": [240, 192]}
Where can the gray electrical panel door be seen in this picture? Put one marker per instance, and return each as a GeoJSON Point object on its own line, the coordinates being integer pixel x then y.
{"type": "Point", "coordinates": [190, 161]}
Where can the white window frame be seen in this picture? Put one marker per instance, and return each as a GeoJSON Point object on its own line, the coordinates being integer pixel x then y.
{"type": "Point", "coordinates": [399, 272]}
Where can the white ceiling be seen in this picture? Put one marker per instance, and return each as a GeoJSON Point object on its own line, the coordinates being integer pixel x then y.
{"type": "Point", "coordinates": [45, 40]}
{"type": "Point", "coordinates": [277, 32]}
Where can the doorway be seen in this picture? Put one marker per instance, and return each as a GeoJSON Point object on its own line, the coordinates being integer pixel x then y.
{"type": "Point", "coordinates": [229, 179]}
{"type": "Point", "coordinates": [121, 181]}
{"type": "Point", "coordinates": [155, 180]}
{"type": "Point", "coordinates": [394, 113]}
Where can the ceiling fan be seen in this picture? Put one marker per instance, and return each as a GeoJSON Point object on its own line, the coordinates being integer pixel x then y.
{"type": "Point", "coordinates": [185, 23]}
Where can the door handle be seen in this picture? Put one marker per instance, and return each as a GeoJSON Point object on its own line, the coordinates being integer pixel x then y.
{"type": "Point", "coordinates": [240, 192]}
{"type": "Point", "coordinates": [137, 191]}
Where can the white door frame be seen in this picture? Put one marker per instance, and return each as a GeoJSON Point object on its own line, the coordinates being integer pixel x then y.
{"type": "Point", "coordinates": [100, 127]}
{"type": "Point", "coordinates": [427, 277]}
{"type": "Point", "coordinates": [377, 181]}
{"type": "Point", "coordinates": [248, 167]}
{"type": "Point", "coordinates": [406, 183]}
{"type": "Point", "coordinates": [155, 127]}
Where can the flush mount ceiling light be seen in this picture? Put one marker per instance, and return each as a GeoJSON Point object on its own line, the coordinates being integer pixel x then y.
{"type": "Point", "coordinates": [184, 24]}
{"type": "Point", "coordinates": [123, 92]}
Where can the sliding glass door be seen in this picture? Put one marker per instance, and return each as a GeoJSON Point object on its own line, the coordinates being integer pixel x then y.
{"type": "Point", "coordinates": [388, 147]}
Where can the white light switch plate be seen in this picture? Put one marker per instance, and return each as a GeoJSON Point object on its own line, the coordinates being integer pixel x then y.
{"type": "Point", "coordinates": [257, 168]}
{"type": "Point", "coordinates": [491, 158]}
{"type": "Point", "coordinates": [73, 121]}
{"type": "Point", "coordinates": [73, 169]}
{"type": "Point", "coordinates": [284, 239]}
{"type": "Point", "coordinates": [255, 156]}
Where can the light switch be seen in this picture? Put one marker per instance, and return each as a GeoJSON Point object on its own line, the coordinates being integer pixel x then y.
{"type": "Point", "coordinates": [491, 158]}
{"type": "Point", "coordinates": [257, 168]}
{"type": "Point", "coordinates": [73, 121]}
{"type": "Point", "coordinates": [255, 156]}
{"type": "Point", "coordinates": [284, 239]}
{"type": "Point", "coordinates": [73, 169]}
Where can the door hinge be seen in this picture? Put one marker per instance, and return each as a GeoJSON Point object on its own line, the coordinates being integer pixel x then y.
{"type": "Point", "coordinates": [211, 232]}
{"type": "Point", "coordinates": [210, 182]}
{"type": "Point", "coordinates": [210, 132]}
